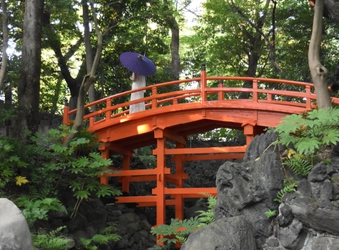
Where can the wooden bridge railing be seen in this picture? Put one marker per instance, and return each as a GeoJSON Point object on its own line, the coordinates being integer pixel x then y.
{"type": "Point", "coordinates": [263, 90]}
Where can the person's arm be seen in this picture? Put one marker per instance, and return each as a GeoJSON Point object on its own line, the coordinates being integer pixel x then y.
{"type": "Point", "coordinates": [132, 77]}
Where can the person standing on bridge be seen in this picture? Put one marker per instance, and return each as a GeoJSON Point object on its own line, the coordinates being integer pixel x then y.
{"type": "Point", "coordinates": [141, 67]}
{"type": "Point", "coordinates": [138, 81]}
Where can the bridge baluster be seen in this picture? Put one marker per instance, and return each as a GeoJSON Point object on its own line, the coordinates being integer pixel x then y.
{"type": "Point", "coordinates": [109, 111]}
{"type": "Point", "coordinates": [220, 93]}
{"type": "Point", "coordinates": [154, 97]}
{"type": "Point", "coordinates": [255, 90]}
{"type": "Point", "coordinates": [203, 84]}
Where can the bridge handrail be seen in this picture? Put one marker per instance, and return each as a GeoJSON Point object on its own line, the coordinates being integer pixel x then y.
{"type": "Point", "coordinates": [201, 94]}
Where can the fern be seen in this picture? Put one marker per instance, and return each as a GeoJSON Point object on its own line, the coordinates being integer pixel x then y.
{"type": "Point", "coordinates": [289, 188]}
{"type": "Point", "coordinates": [270, 213]}
{"type": "Point", "coordinates": [103, 238]}
{"type": "Point", "coordinates": [207, 217]}
{"type": "Point", "coordinates": [52, 240]}
{"type": "Point", "coordinates": [179, 230]}
{"type": "Point", "coordinates": [299, 165]}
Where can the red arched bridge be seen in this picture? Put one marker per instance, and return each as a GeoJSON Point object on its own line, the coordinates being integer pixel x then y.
{"type": "Point", "coordinates": [191, 108]}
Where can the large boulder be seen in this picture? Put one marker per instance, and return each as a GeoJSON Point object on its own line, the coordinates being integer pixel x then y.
{"type": "Point", "coordinates": [249, 188]}
{"type": "Point", "coordinates": [224, 234]}
{"type": "Point", "coordinates": [14, 230]}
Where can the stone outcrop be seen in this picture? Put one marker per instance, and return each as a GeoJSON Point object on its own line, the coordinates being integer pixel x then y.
{"type": "Point", "coordinates": [14, 231]}
{"type": "Point", "coordinates": [306, 219]}
{"type": "Point", "coordinates": [228, 234]}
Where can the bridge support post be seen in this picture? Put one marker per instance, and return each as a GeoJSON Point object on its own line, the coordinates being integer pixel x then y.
{"type": "Point", "coordinates": [160, 189]}
{"type": "Point", "coordinates": [249, 131]}
{"type": "Point", "coordinates": [105, 155]}
{"type": "Point", "coordinates": [179, 172]}
{"type": "Point", "coordinates": [125, 166]}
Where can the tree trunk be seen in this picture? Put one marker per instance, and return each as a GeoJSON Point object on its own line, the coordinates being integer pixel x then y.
{"type": "Point", "coordinates": [29, 85]}
{"type": "Point", "coordinates": [318, 71]}
{"type": "Point", "coordinates": [175, 41]}
{"type": "Point", "coordinates": [89, 55]}
{"type": "Point", "coordinates": [5, 43]}
{"type": "Point", "coordinates": [175, 50]}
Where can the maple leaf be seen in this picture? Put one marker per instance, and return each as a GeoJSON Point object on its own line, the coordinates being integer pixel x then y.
{"type": "Point", "coordinates": [19, 180]}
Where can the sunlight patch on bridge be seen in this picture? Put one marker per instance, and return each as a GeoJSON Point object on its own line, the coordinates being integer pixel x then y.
{"type": "Point", "coordinates": [143, 128]}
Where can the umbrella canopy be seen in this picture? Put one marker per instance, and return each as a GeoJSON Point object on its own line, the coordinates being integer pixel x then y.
{"type": "Point", "coordinates": [137, 63]}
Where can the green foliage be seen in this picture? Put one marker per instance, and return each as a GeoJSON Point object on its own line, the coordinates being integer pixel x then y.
{"type": "Point", "coordinates": [80, 163]}
{"type": "Point", "coordinates": [299, 165]}
{"type": "Point", "coordinates": [7, 111]}
{"type": "Point", "coordinates": [289, 187]}
{"type": "Point", "coordinates": [221, 135]}
{"type": "Point", "coordinates": [179, 230]}
{"type": "Point", "coordinates": [52, 240]}
{"type": "Point", "coordinates": [10, 162]}
{"type": "Point", "coordinates": [146, 157]}
{"type": "Point", "coordinates": [100, 239]}
{"type": "Point", "coordinates": [53, 166]}
{"type": "Point", "coordinates": [270, 213]}
{"type": "Point", "coordinates": [309, 132]}
{"type": "Point", "coordinates": [206, 217]}
{"type": "Point", "coordinates": [38, 209]}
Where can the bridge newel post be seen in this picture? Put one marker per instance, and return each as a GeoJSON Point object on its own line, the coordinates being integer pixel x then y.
{"type": "Point", "coordinates": [308, 97]}
{"type": "Point", "coordinates": [65, 117]}
{"type": "Point", "coordinates": [91, 121]}
{"type": "Point", "coordinates": [203, 84]}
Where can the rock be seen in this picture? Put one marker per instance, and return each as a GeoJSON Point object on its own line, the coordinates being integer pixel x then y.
{"type": "Point", "coordinates": [235, 189]}
{"type": "Point", "coordinates": [318, 173]}
{"type": "Point", "coordinates": [224, 234]}
{"type": "Point", "coordinates": [258, 145]}
{"type": "Point", "coordinates": [304, 188]}
{"type": "Point", "coordinates": [311, 215]}
{"type": "Point", "coordinates": [249, 188]}
{"type": "Point", "coordinates": [268, 176]}
{"type": "Point", "coordinates": [285, 215]}
{"type": "Point", "coordinates": [255, 214]}
{"type": "Point", "coordinates": [292, 237]}
{"type": "Point", "coordinates": [326, 243]}
{"type": "Point", "coordinates": [14, 230]}
{"type": "Point", "coordinates": [78, 235]}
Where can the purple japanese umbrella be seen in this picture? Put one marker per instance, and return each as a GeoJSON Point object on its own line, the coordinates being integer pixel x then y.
{"type": "Point", "coordinates": [137, 63]}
